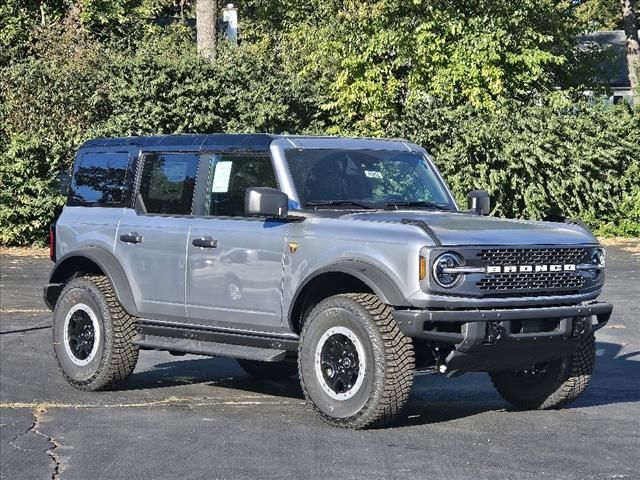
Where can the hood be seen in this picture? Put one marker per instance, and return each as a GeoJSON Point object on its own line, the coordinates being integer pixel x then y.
{"type": "Point", "coordinates": [454, 228]}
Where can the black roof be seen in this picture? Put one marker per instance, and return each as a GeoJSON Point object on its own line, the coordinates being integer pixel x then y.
{"type": "Point", "coordinates": [223, 141]}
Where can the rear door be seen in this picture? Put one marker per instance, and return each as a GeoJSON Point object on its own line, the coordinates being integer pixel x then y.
{"type": "Point", "coordinates": [151, 239]}
{"type": "Point", "coordinates": [234, 262]}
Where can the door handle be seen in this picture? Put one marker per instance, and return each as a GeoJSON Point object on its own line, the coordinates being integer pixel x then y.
{"type": "Point", "coordinates": [132, 237]}
{"type": "Point", "coordinates": [205, 242]}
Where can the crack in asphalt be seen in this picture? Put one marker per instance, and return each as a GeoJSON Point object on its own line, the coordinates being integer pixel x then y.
{"type": "Point", "coordinates": [28, 329]}
{"type": "Point", "coordinates": [57, 463]}
{"type": "Point", "coordinates": [35, 430]}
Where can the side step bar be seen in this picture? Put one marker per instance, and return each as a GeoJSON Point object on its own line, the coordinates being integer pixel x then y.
{"type": "Point", "coordinates": [198, 347]}
{"type": "Point", "coordinates": [218, 342]}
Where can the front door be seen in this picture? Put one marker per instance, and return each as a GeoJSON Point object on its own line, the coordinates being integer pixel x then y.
{"type": "Point", "coordinates": [151, 240]}
{"type": "Point", "coordinates": [234, 263]}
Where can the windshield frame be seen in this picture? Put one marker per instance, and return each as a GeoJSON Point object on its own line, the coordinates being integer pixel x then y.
{"type": "Point", "coordinates": [297, 204]}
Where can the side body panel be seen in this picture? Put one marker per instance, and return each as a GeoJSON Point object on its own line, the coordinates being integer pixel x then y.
{"type": "Point", "coordinates": [324, 244]}
{"type": "Point", "coordinates": [80, 227]}
{"type": "Point", "coordinates": [239, 282]}
{"type": "Point", "coordinates": [155, 267]}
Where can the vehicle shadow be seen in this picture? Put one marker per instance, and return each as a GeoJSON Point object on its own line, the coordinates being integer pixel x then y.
{"type": "Point", "coordinates": [434, 399]}
{"type": "Point", "coordinates": [616, 378]}
{"type": "Point", "coordinates": [437, 399]}
{"type": "Point", "coordinates": [216, 372]}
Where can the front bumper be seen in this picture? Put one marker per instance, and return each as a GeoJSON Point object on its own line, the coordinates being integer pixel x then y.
{"type": "Point", "coordinates": [490, 340]}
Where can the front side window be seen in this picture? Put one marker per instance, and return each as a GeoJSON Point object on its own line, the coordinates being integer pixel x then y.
{"type": "Point", "coordinates": [167, 183]}
{"type": "Point", "coordinates": [230, 176]}
{"type": "Point", "coordinates": [368, 177]}
{"type": "Point", "coordinates": [100, 179]}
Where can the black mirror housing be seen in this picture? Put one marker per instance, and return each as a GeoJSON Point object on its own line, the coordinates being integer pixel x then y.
{"type": "Point", "coordinates": [265, 202]}
{"type": "Point", "coordinates": [479, 201]}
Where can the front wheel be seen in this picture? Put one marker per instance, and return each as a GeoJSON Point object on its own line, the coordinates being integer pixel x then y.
{"type": "Point", "coordinates": [355, 365]}
{"type": "Point", "coordinates": [549, 385]}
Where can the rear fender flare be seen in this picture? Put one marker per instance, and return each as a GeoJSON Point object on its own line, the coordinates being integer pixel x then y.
{"type": "Point", "coordinates": [72, 262]}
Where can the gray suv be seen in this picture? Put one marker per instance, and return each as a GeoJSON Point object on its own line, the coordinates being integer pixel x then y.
{"type": "Point", "coordinates": [343, 260]}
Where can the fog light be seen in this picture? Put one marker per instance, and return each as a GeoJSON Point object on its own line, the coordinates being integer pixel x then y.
{"type": "Point", "coordinates": [493, 332]}
{"type": "Point", "coordinates": [579, 326]}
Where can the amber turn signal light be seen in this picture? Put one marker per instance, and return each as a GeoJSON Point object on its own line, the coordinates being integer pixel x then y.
{"type": "Point", "coordinates": [422, 268]}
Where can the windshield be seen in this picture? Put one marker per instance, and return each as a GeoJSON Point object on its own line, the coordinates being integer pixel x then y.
{"type": "Point", "coordinates": [365, 179]}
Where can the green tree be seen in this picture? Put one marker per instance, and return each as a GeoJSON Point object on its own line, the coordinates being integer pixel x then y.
{"type": "Point", "coordinates": [598, 15]}
{"type": "Point", "coordinates": [376, 56]}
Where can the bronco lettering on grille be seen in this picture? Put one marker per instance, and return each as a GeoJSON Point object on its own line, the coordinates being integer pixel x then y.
{"type": "Point", "coordinates": [530, 268]}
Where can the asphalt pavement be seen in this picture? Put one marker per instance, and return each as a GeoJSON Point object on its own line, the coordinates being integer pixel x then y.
{"type": "Point", "coordinates": [202, 418]}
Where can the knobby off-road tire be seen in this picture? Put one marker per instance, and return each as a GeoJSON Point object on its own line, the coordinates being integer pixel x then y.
{"type": "Point", "coordinates": [269, 370]}
{"type": "Point", "coordinates": [559, 382]}
{"type": "Point", "coordinates": [93, 335]}
{"type": "Point", "coordinates": [363, 332]}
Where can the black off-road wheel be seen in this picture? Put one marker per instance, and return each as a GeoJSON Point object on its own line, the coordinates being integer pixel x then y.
{"type": "Point", "coordinates": [549, 385]}
{"type": "Point", "coordinates": [269, 370]}
{"type": "Point", "coordinates": [93, 335]}
{"type": "Point", "coordinates": [356, 367]}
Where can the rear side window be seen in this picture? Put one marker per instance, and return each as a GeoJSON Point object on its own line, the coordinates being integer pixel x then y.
{"type": "Point", "coordinates": [100, 179]}
{"type": "Point", "coordinates": [167, 183]}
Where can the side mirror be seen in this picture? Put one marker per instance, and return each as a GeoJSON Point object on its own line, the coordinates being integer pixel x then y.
{"type": "Point", "coordinates": [478, 201]}
{"type": "Point", "coordinates": [64, 183]}
{"type": "Point", "coordinates": [265, 202]}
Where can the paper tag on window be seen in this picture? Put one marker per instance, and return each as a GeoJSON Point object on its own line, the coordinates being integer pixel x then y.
{"type": "Point", "coordinates": [373, 174]}
{"type": "Point", "coordinates": [221, 177]}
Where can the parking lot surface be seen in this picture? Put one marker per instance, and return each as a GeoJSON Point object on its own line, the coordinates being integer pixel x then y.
{"type": "Point", "coordinates": [196, 417]}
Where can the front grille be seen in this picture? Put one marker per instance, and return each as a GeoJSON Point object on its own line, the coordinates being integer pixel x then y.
{"type": "Point", "coordinates": [533, 256]}
{"type": "Point", "coordinates": [531, 281]}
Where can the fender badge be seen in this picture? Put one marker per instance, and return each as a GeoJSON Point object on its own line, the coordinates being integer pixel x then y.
{"type": "Point", "coordinates": [293, 247]}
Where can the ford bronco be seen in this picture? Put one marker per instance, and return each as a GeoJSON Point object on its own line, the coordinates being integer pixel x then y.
{"type": "Point", "coordinates": [345, 261]}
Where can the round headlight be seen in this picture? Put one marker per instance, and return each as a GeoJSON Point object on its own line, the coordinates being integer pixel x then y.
{"type": "Point", "coordinates": [447, 260]}
{"type": "Point", "coordinates": [598, 257]}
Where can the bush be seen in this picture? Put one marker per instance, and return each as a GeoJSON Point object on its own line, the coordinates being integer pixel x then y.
{"type": "Point", "coordinates": [50, 104]}
{"type": "Point", "coordinates": [539, 160]}
{"type": "Point", "coordinates": [75, 88]}
{"type": "Point", "coordinates": [546, 161]}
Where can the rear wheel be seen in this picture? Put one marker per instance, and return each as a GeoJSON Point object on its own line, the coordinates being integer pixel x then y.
{"type": "Point", "coordinates": [269, 370]}
{"type": "Point", "coordinates": [551, 384]}
{"type": "Point", "coordinates": [93, 335]}
{"type": "Point", "coordinates": [355, 365]}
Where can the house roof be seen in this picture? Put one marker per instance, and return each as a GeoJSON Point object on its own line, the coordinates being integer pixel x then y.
{"type": "Point", "coordinates": [615, 42]}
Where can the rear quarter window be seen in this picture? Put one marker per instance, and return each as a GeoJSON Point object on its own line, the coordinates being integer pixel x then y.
{"type": "Point", "coordinates": [100, 179]}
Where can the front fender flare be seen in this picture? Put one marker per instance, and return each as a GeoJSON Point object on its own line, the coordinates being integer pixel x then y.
{"type": "Point", "coordinates": [376, 279]}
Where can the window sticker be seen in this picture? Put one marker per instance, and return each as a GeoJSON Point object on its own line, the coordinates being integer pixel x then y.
{"type": "Point", "coordinates": [221, 177]}
{"type": "Point", "coordinates": [373, 174]}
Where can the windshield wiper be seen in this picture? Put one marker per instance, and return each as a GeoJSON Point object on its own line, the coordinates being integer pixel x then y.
{"type": "Point", "coordinates": [338, 203]}
{"type": "Point", "coordinates": [417, 203]}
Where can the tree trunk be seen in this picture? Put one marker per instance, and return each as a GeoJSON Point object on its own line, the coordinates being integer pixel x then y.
{"type": "Point", "coordinates": [633, 45]}
{"type": "Point", "coordinates": [207, 28]}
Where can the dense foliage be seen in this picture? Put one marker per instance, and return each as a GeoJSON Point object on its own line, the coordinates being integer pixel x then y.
{"type": "Point", "coordinates": [468, 79]}
{"type": "Point", "coordinates": [553, 160]}
{"type": "Point", "coordinates": [598, 14]}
